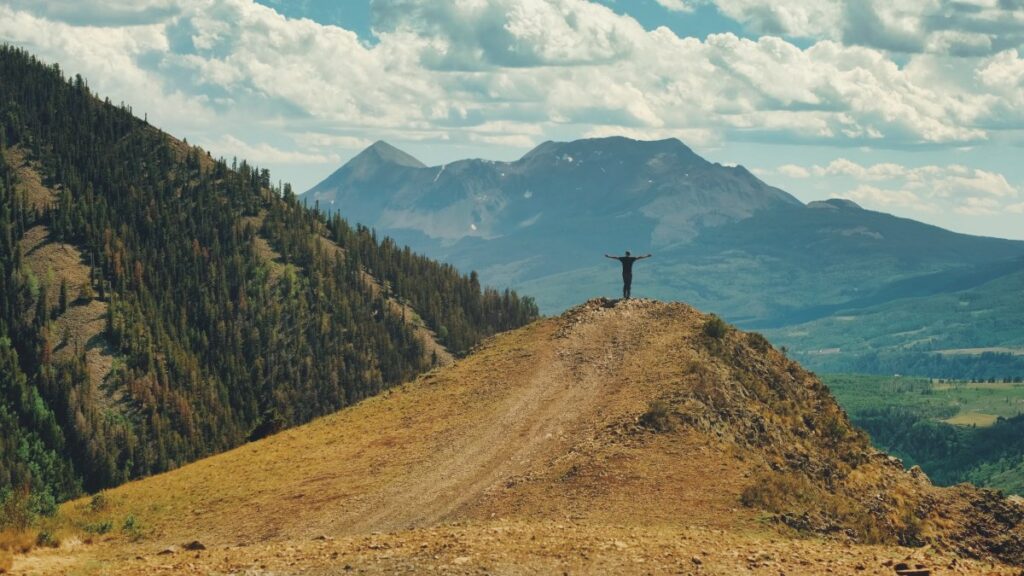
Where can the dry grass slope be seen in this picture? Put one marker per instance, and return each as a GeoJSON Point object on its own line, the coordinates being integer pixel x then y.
{"type": "Point", "coordinates": [537, 454]}
{"type": "Point", "coordinates": [81, 326]}
{"type": "Point", "coordinates": [28, 181]}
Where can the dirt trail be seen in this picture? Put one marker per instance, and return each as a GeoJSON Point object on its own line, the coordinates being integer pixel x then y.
{"type": "Point", "coordinates": [527, 426]}
{"type": "Point", "coordinates": [527, 415]}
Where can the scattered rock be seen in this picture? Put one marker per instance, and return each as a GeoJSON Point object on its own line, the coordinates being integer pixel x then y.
{"type": "Point", "coordinates": [168, 551]}
{"type": "Point", "coordinates": [904, 569]}
{"type": "Point", "coordinates": [194, 545]}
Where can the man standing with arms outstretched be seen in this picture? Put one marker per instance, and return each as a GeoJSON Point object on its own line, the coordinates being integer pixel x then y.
{"type": "Point", "coordinates": [627, 270]}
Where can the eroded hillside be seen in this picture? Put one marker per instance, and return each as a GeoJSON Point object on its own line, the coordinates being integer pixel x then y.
{"type": "Point", "coordinates": [619, 435]}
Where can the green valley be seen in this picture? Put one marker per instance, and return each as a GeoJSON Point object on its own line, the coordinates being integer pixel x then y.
{"type": "Point", "coordinates": [957, 431]}
{"type": "Point", "coordinates": [972, 333]}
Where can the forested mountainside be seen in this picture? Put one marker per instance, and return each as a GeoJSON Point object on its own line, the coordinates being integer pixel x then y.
{"type": "Point", "coordinates": [157, 305]}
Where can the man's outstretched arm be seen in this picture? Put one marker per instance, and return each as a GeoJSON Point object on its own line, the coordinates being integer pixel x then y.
{"type": "Point", "coordinates": [612, 257]}
{"type": "Point", "coordinates": [642, 257]}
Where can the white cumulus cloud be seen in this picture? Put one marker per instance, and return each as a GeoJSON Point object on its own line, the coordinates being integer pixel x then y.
{"type": "Point", "coordinates": [509, 73]}
{"type": "Point", "coordinates": [954, 27]}
{"type": "Point", "coordinates": [675, 5]}
{"type": "Point", "coordinates": [926, 189]}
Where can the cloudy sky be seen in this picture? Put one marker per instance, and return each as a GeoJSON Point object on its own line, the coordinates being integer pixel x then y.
{"type": "Point", "coordinates": [914, 107]}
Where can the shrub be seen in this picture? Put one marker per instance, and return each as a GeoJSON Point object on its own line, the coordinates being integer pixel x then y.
{"type": "Point", "coordinates": [16, 509]}
{"type": "Point", "coordinates": [130, 527]}
{"type": "Point", "coordinates": [99, 502]}
{"type": "Point", "coordinates": [780, 492]}
{"type": "Point", "coordinates": [101, 527]}
{"type": "Point", "coordinates": [271, 422]}
{"type": "Point", "coordinates": [47, 539]}
{"type": "Point", "coordinates": [658, 416]}
{"type": "Point", "coordinates": [758, 342]}
{"type": "Point", "coordinates": [833, 428]}
{"type": "Point", "coordinates": [793, 495]}
{"type": "Point", "coordinates": [716, 328]}
{"type": "Point", "coordinates": [85, 292]}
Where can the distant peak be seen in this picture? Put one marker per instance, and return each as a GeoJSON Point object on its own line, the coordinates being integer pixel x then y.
{"type": "Point", "coordinates": [611, 144]}
{"type": "Point", "coordinates": [387, 153]}
{"type": "Point", "coordinates": [543, 148]}
{"type": "Point", "coordinates": [835, 203]}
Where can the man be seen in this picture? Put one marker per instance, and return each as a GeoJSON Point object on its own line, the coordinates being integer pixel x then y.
{"type": "Point", "coordinates": [627, 270]}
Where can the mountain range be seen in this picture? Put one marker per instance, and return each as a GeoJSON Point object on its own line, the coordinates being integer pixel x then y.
{"type": "Point", "coordinates": [722, 238]}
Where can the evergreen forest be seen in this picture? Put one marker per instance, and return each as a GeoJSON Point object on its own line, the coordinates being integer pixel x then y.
{"type": "Point", "coordinates": [231, 309]}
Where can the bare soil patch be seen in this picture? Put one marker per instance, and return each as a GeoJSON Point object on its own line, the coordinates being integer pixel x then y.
{"type": "Point", "coordinates": [80, 328]}
{"type": "Point", "coordinates": [29, 180]}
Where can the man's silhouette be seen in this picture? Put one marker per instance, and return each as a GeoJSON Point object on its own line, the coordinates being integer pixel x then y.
{"type": "Point", "coordinates": [627, 270]}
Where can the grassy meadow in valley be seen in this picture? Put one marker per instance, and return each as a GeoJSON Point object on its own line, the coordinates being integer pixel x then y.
{"type": "Point", "coordinates": [957, 431]}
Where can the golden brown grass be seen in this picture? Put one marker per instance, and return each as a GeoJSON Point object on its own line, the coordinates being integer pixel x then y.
{"type": "Point", "coordinates": [51, 262]}
{"type": "Point", "coordinates": [972, 418]}
{"type": "Point", "coordinates": [276, 268]}
{"type": "Point", "coordinates": [808, 506]}
{"type": "Point", "coordinates": [541, 427]}
{"type": "Point", "coordinates": [81, 326]}
{"type": "Point", "coordinates": [529, 426]}
{"type": "Point", "coordinates": [13, 542]}
{"type": "Point", "coordinates": [28, 180]}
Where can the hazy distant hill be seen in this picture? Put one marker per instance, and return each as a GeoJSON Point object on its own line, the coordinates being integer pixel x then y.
{"type": "Point", "coordinates": [723, 239]}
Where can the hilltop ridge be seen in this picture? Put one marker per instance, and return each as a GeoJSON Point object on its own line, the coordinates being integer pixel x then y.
{"type": "Point", "coordinates": [618, 422]}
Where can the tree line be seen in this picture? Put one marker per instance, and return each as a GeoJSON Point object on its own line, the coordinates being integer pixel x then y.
{"type": "Point", "coordinates": [975, 367]}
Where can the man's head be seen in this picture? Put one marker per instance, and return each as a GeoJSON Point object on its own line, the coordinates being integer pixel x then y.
{"type": "Point", "coordinates": [627, 252]}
